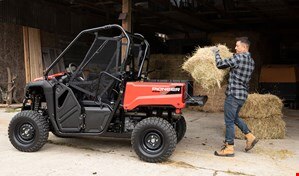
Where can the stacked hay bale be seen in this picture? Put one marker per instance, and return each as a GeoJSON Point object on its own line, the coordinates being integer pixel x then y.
{"type": "Point", "coordinates": [167, 66]}
{"type": "Point", "coordinates": [263, 115]}
{"type": "Point", "coordinates": [215, 101]}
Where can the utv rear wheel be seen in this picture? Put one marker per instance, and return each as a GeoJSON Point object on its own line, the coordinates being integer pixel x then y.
{"type": "Point", "coordinates": [180, 128]}
{"type": "Point", "coordinates": [28, 131]}
{"type": "Point", "coordinates": [153, 139]}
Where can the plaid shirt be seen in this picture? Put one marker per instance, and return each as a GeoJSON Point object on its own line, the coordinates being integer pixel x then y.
{"type": "Point", "coordinates": [241, 68]}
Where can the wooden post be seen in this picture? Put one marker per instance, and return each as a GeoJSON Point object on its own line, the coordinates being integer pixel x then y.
{"type": "Point", "coordinates": [26, 54]}
{"type": "Point", "coordinates": [126, 22]}
{"type": "Point", "coordinates": [9, 87]}
{"type": "Point", "coordinates": [32, 53]}
{"type": "Point", "coordinates": [127, 9]}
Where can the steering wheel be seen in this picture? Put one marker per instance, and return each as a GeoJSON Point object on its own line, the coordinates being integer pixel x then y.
{"type": "Point", "coordinates": [71, 65]}
{"type": "Point", "coordinates": [80, 78]}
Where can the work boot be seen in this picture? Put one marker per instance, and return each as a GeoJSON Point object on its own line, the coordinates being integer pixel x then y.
{"type": "Point", "coordinates": [250, 141]}
{"type": "Point", "coordinates": [227, 150]}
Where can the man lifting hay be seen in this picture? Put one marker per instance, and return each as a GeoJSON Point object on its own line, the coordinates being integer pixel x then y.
{"type": "Point", "coordinates": [241, 67]}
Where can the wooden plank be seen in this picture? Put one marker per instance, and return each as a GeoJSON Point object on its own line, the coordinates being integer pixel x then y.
{"type": "Point", "coordinates": [46, 59]}
{"type": "Point", "coordinates": [49, 56]}
{"type": "Point", "coordinates": [61, 62]}
{"type": "Point", "coordinates": [9, 87]}
{"type": "Point", "coordinates": [126, 22]}
{"type": "Point", "coordinates": [127, 9]}
{"type": "Point", "coordinates": [52, 58]}
{"type": "Point", "coordinates": [35, 53]}
{"type": "Point", "coordinates": [26, 54]}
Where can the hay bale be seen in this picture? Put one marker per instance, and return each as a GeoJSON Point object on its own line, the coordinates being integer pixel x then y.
{"type": "Point", "coordinates": [261, 106]}
{"type": "Point", "coordinates": [264, 128]}
{"type": "Point", "coordinates": [167, 66]}
{"type": "Point", "coordinates": [215, 101]}
{"type": "Point", "coordinates": [202, 67]}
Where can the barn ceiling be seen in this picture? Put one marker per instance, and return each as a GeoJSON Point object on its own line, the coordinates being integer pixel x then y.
{"type": "Point", "coordinates": [185, 16]}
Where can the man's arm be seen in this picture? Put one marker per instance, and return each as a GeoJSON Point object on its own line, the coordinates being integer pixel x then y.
{"type": "Point", "coordinates": [225, 63]}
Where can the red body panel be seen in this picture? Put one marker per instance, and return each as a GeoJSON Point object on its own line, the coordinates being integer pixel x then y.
{"type": "Point", "coordinates": [154, 94]}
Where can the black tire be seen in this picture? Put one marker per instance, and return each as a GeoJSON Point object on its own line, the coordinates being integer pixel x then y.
{"type": "Point", "coordinates": [153, 139]}
{"type": "Point", "coordinates": [180, 128]}
{"type": "Point", "coordinates": [28, 131]}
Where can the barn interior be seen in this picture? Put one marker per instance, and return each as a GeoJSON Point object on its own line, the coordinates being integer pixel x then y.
{"type": "Point", "coordinates": [35, 32]}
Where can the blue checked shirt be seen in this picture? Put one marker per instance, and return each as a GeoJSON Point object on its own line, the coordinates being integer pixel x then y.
{"type": "Point", "coordinates": [241, 68]}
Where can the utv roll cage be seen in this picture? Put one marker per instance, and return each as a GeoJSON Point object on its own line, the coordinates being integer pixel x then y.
{"type": "Point", "coordinates": [126, 59]}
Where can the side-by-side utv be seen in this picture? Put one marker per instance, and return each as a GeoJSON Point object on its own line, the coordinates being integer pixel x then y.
{"type": "Point", "coordinates": [106, 93]}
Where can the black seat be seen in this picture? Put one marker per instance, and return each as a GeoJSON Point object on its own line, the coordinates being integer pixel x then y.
{"type": "Point", "coordinates": [108, 87]}
{"type": "Point", "coordinates": [106, 93]}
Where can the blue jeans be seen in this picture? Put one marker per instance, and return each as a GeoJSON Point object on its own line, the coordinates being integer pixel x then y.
{"type": "Point", "coordinates": [232, 108]}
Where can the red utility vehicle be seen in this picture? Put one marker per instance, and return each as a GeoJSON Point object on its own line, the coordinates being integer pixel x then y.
{"type": "Point", "coordinates": [107, 93]}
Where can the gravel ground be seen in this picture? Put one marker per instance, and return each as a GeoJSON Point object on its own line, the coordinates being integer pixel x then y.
{"type": "Point", "coordinates": [193, 155]}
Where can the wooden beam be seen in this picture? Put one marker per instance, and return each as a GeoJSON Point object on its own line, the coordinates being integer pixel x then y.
{"type": "Point", "coordinates": [197, 20]}
{"type": "Point", "coordinates": [26, 54]}
{"type": "Point", "coordinates": [255, 10]}
{"type": "Point", "coordinates": [9, 87]}
{"type": "Point", "coordinates": [126, 23]}
{"type": "Point", "coordinates": [127, 9]}
{"type": "Point", "coordinates": [177, 17]}
{"type": "Point", "coordinates": [163, 27]}
{"type": "Point", "coordinates": [163, 24]}
{"type": "Point", "coordinates": [290, 8]}
{"type": "Point", "coordinates": [106, 3]}
{"type": "Point", "coordinates": [181, 18]}
{"type": "Point", "coordinates": [193, 36]}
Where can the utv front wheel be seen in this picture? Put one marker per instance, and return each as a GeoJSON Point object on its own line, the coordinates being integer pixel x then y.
{"type": "Point", "coordinates": [153, 139]}
{"type": "Point", "coordinates": [28, 131]}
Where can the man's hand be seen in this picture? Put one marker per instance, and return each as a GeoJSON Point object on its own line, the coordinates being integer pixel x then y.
{"type": "Point", "coordinates": [215, 49]}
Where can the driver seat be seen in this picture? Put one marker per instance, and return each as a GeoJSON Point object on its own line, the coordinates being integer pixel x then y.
{"type": "Point", "coordinates": [107, 91]}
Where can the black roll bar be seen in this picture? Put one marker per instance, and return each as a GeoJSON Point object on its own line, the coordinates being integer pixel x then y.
{"type": "Point", "coordinates": [106, 27]}
{"type": "Point", "coordinates": [145, 53]}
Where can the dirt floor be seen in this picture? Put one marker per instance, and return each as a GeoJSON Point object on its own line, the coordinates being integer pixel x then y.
{"type": "Point", "coordinates": [193, 155]}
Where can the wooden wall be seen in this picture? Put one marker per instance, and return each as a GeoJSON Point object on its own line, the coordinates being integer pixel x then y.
{"type": "Point", "coordinates": [11, 55]}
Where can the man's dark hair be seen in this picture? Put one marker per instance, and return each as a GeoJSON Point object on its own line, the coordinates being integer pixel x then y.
{"type": "Point", "coordinates": [243, 40]}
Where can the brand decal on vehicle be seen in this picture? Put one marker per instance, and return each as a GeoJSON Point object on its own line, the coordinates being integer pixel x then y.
{"type": "Point", "coordinates": [166, 89]}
